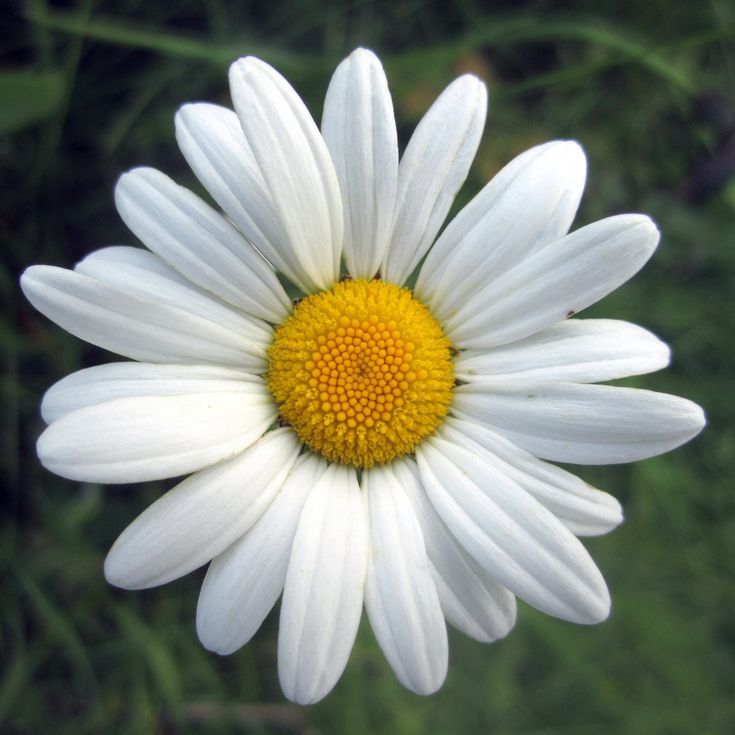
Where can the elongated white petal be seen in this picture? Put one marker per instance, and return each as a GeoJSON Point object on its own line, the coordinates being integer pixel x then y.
{"type": "Point", "coordinates": [555, 283]}
{"type": "Point", "coordinates": [199, 243]}
{"type": "Point", "coordinates": [296, 167]}
{"type": "Point", "coordinates": [400, 593]}
{"type": "Point", "coordinates": [133, 326]}
{"type": "Point", "coordinates": [575, 350]}
{"type": "Point", "coordinates": [511, 535]}
{"type": "Point", "coordinates": [140, 273]}
{"type": "Point", "coordinates": [471, 600]}
{"type": "Point", "coordinates": [154, 437]}
{"type": "Point", "coordinates": [584, 424]}
{"type": "Point", "coordinates": [200, 517]}
{"type": "Point", "coordinates": [530, 203]}
{"type": "Point", "coordinates": [431, 172]}
{"type": "Point", "coordinates": [129, 379]}
{"type": "Point", "coordinates": [214, 145]}
{"type": "Point", "coordinates": [584, 510]}
{"type": "Point", "coordinates": [322, 597]}
{"type": "Point", "coordinates": [244, 582]}
{"type": "Point", "coordinates": [360, 132]}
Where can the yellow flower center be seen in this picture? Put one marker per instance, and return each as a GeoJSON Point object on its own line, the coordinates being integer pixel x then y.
{"type": "Point", "coordinates": [361, 372]}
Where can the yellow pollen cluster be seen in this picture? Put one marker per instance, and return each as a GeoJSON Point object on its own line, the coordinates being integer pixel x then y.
{"type": "Point", "coordinates": [361, 372]}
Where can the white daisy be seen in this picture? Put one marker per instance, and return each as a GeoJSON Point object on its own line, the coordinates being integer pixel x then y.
{"type": "Point", "coordinates": [368, 445]}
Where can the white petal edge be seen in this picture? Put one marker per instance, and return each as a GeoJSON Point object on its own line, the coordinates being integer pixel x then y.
{"type": "Point", "coordinates": [203, 515]}
{"type": "Point", "coordinates": [155, 437]}
{"type": "Point", "coordinates": [471, 600]}
{"type": "Point", "coordinates": [199, 243]}
{"type": "Point", "coordinates": [554, 283]}
{"type": "Point", "coordinates": [135, 327]}
{"type": "Point", "coordinates": [527, 205]}
{"type": "Point", "coordinates": [360, 132]}
{"type": "Point", "coordinates": [514, 538]}
{"type": "Point", "coordinates": [575, 350]}
{"type": "Point", "coordinates": [214, 145]}
{"type": "Point", "coordinates": [432, 171]}
{"type": "Point", "coordinates": [323, 593]}
{"type": "Point", "coordinates": [296, 167]}
{"type": "Point", "coordinates": [114, 380]}
{"type": "Point", "coordinates": [582, 424]}
{"type": "Point", "coordinates": [400, 594]}
{"type": "Point", "coordinates": [243, 583]}
{"type": "Point", "coordinates": [138, 272]}
{"type": "Point", "coordinates": [584, 510]}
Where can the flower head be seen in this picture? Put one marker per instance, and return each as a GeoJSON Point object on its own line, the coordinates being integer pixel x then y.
{"type": "Point", "coordinates": [367, 443]}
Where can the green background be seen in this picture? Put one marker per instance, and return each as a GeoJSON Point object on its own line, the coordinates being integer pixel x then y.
{"type": "Point", "coordinates": [89, 89]}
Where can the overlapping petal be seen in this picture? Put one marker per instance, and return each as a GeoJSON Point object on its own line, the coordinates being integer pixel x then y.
{"type": "Point", "coordinates": [140, 273]}
{"type": "Point", "coordinates": [214, 145]}
{"type": "Point", "coordinates": [512, 536]}
{"type": "Point", "coordinates": [199, 243]}
{"type": "Point", "coordinates": [400, 594]}
{"type": "Point", "coordinates": [201, 516]}
{"type": "Point", "coordinates": [244, 582]}
{"type": "Point", "coordinates": [584, 510]}
{"type": "Point", "coordinates": [528, 205]}
{"type": "Point", "coordinates": [297, 170]}
{"type": "Point", "coordinates": [323, 593]}
{"type": "Point", "coordinates": [554, 283]}
{"type": "Point", "coordinates": [140, 327]}
{"type": "Point", "coordinates": [471, 600]}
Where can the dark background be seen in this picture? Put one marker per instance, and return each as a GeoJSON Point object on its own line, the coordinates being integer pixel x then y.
{"type": "Point", "coordinates": [89, 89]}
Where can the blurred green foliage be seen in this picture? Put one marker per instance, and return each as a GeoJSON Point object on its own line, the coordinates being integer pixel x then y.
{"type": "Point", "coordinates": [89, 89]}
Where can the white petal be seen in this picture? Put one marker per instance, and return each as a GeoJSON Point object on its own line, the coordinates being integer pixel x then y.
{"type": "Point", "coordinates": [322, 597]}
{"type": "Point", "coordinates": [530, 203]}
{"type": "Point", "coordinates": [432, 170]}
{"type": "Point", "coordinates": [471, 600]}
{"type": "Point", "coordinates": [584, 510]}
{"type": "Point", "coordinates": [138, 272]}
{"type": "Point", "coordinates": [555, 283]}
{"type": "Point", "coordinates": [244, 582]}
{"type": "Point", "coordinates": [512, 536]}
{"type": "Point", "coordinates": [200, 517]}
{"type": "Point", "coordinates": [153, 437]}
{"type": "Point", "coordinates": [296, 167]}
{"type": "Point", "coordinates": [214, 145]}
{"type": "Point", "coordinates": [199, 243]}
{"type": "Point", "coordinates": [584, 424]}
{"type": "Point", "coordinates": [128, 379]}
{"type": "Point", "coordinates": [400, 594]}
{"type": "Point", "coordinates": [133, 326]}
{"type": "Point", "coordinates": [575, 350]}
{"type": "Point", "coordinates": [360, 131]}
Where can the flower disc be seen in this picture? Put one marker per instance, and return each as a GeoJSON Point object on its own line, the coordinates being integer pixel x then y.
{"type": "Point", "coordinates": [361, 372]}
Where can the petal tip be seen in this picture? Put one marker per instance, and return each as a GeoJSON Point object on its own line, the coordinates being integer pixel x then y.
{"type": "Point", "coordinates": [246, 66]}
{"type": "Point", "coordinates": [211, 636]}
{"type": "Point", "coordinates": [698, 419]}
{"type": "Point", "coordinates": [574, 152]}
{"type": "Point", "coordinates": [364, 55]}
{"type": "Point", "coordinates": [597, 609]}
{"type": "Point", "coordinates": [115, 571]}
{"type": "Point", "coordinates": [474, 85]}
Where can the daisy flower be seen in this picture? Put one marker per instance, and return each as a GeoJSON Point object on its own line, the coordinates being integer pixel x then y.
{"type": "Point", "coordinates": [365, 444]}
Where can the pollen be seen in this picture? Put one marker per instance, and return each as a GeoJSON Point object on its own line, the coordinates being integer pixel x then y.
{"type": "Point", "coordinates": [362, 372]}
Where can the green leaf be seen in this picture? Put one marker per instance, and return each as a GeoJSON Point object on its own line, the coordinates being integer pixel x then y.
{"type": "Point", "coordinates": [27, 98]}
